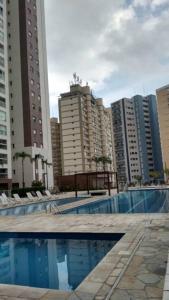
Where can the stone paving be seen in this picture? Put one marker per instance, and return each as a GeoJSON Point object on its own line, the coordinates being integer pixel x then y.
{"type": "Point", "coordinates": [134, 269]}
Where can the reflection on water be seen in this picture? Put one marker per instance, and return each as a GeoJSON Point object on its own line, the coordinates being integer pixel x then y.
{"type": "Point", "coordinates": [131, 202]}
{"type": "Point", "coordinates": [54, 263]}
{"type": "Point", "coordinates": [35, 207]}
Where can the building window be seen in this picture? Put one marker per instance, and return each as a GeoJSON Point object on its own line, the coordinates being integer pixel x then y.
{"type": "Point", "coordinates": [3, 144]}
{"type": "Point", "coordinates": [34, 131]}
{"type": "Point", "coordinates": [3, 130]}
{"type": "Point", "coordinates": [29, 33]}
{"type": "Point", "coordinates": [2, 115]}
{"type": "Point", "coordinates": [34, 119]}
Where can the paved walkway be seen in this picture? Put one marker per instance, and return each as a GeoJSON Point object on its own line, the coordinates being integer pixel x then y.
{"type": "Point", "coordinates": [133, 269]}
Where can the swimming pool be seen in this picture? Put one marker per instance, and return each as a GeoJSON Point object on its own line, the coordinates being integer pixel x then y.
{"type": "Point", "coordinates": [51, 260]}
{"type": "Point", "coordinates": [145, 201]}
{"type": "Point", "coordinates": [30, 208]}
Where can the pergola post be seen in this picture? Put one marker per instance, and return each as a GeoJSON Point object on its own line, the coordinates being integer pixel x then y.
{"type": "Point", "coordinates": [75, 182]}
{"type": "Point", "coordinates": [117, 183]}
{"type": "Point", "coordinates": [108, 180]}
{"type": "Point", "coordinates": [88, 183]}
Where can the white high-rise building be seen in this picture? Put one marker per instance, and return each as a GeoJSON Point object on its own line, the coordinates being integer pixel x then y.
{"type": "Point", "coordinates": [5, 141]}
{"type": "Point", "coordinates": [28, 89]}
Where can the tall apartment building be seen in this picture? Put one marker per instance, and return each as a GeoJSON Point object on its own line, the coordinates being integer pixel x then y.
{"type": "Point", "coordinates": [28, 87]}
{"type": "Point", "coordinates": [125, 140]}
{"type": "Point", "coordinates": [136, 138]}
{"type": "Point", "coordinates": [163, 114]}
{"type": "Point", "coordinates": [56, 149]}
{"type": "Point", "coordinates": [86, 130]}
{"type": "Point", "coordinates": [5, 141]}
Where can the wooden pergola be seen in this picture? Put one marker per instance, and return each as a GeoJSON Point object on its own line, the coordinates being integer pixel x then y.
{"type": "Point", "coordinates": [106, 174]}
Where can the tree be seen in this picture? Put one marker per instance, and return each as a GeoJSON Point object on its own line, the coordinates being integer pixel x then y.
{"type": "Point", "coordinates": [105, 160]}
{"type": "Point", "coordinates": [23, 155]}
{"type": "Point", "coordinates": [138, 178]}
{"type": "Point", "coordinates": [97, 160]}
{"type": "Point", "coordinates": [45, 162]}
{"type": "Point", "coordinates": [35, 160]}
{"type": "Point", "coordinates": [166, 172]}
{"type": "Point", "coordinates": [154, 175]}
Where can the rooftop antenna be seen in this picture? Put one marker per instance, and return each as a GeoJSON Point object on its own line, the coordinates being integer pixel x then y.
{"type": "Point", "coordinates": [76, 79]}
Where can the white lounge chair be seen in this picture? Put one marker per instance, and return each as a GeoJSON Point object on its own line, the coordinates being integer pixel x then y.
{"type": "Point", "coordinates": [39, 194]}
{"type": "Point", "coordinates": [17, 198]}
{"type": "Point", "coordinates": [4, 201]}
{"type": "Point", "coordinates": [7, 200]}
{"type": "Point", "coordinates": [30, 197]}
{"type": "Point", "coordinates": [50, 196]}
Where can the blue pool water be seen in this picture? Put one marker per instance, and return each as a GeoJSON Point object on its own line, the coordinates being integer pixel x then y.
{"type": "Point", "coordinates": [34, 207]}
{"type": "Point", "coordinates": [145, 201]}
{"type": "Point", "coordinates": [51, 262]}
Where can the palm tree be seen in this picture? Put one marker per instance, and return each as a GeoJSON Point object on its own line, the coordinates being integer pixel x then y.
{"type": "Point", "coordinates": [97, 160]}
{"type": "Point", "coordinates": [138, 178]}
{"type": "Point", "coordinates": [105, 160]}
{"type": "Point", "coordinates": [154, 175]}
{"type": "Point", "coordinates": [35, 159]}
{"type": "Point", "coordinates": [23, 155]}
{"type": "Point", "coordinates": [45, 162]}
{"type": "Point", "coordinates": [166, 172]}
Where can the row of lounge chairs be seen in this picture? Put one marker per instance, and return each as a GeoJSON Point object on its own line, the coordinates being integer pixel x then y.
{"type": "Point", "coordinates": [10, 201]}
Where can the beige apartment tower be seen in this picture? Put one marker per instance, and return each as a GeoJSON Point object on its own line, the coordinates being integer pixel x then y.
{"type": "Point", "coordinates": [86, 130]}
{"type": "Point", "coordinates": [163, 114]}
{"type": "Point", "coordinates": [56, 149]}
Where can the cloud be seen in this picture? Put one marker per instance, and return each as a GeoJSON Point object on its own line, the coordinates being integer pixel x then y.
{"type": "Point", "coordinates": [114, 45]}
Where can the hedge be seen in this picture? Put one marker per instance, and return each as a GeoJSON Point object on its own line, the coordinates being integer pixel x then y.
{"type": "Point", "coordinates": [22, 191]}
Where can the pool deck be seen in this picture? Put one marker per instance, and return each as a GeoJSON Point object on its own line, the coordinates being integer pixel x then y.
{"type": "Point", "coordinates": [134, 269]}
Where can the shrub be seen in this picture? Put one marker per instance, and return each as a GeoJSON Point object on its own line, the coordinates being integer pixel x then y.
{"type": "Point", "coordinates": [22, 191]}
{"type": "Point", "coordinates": [36, 183]}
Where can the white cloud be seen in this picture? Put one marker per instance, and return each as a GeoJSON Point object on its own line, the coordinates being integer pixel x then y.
{"type": "Point", "coordinates": [108, 39]}
{"type": "Point", "coordinates": [159, 2]}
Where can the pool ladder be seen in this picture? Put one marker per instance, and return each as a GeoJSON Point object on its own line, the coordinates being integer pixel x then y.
{"type": "Point", "coordinates": [52, 208]}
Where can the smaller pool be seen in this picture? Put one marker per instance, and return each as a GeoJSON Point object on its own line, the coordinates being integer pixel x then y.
{"type": "Point", "coordinates": [144, 201]}
{"type": "Point", "coordinates": [34, 207]}
{"type": "Point", "coordinates": [51, 260]}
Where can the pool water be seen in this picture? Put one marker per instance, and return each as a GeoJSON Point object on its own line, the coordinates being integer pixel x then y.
{"type": "Point", "coordinates": [35, 207]}
{"type": "Point", "coordinates": [145, 201]}
{"type": "Point", "coordinates": [54, 263]}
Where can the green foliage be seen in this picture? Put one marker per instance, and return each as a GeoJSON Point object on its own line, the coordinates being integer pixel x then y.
{"type": "Point", "coordinates": [22, 191]}
{"type": "Point", "coordinates": [103, 159]}
{"type": "Point", "coordinates": [22, 155]}
{"type": "Point", "coordinates": [138, 177]}
{"type": "Point", "coordinates": [166, 171]}
{"type": "Point", "coordinates": [154, 174]}
{"type": "Point", "coordinates": [37, 183]}
{"type": "Point", "coordinates": [36, 157]}
{"type": "Point", "coordinates": [45, 161]}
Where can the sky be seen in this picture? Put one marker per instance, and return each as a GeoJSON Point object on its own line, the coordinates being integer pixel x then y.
{"type": "Point", "coordinates": [120, 47]}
